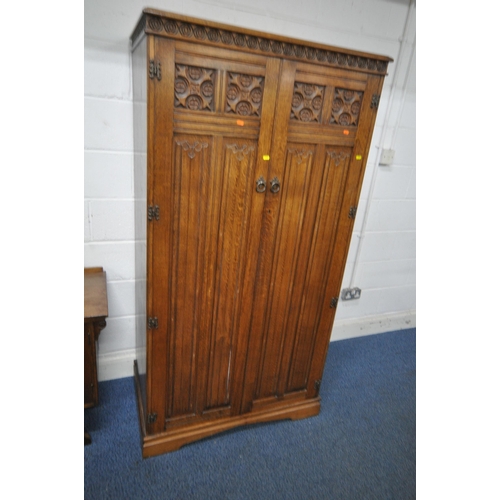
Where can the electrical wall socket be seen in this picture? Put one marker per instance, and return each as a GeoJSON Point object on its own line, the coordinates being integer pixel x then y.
{"type": "Point", "coordinates": [387, 157]}
{"type": "Point", "coordinates": [351, 293]}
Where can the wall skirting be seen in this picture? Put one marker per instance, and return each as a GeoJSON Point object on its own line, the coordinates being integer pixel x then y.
{"type": "Point", "coordinates": [116, 365]}
{"type": "Point", "coordinates": [369, 325]}
{"type": "Point", "coordinates": [121, 364]}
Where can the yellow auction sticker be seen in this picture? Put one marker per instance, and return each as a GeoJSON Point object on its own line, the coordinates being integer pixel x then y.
{"type": "Point", "coordinates": [266, 157]}
{"type": "Point", "coordinates": [358, 157]}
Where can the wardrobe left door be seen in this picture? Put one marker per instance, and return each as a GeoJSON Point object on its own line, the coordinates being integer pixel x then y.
{"type": "Point", "coordinates": [213, 118]}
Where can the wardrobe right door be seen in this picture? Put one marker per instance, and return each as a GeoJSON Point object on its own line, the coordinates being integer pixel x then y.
{"type": "Point", "coordinates": [315, 172]}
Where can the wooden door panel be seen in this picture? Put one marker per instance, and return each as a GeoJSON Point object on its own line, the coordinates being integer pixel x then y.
{"type": "Point", "coordinates": [238, 166]}
{"type": "Point", "coordinates": [293, 230]}
{"type": "Point", "coordinates": [322, 125]}
{"type": "Point", "coordinates": [213, 113]}
{"type": "Point", "coordinates": [312, 195]}
{"type": "Point", "coordinates": [335, 166]}
{"type": "Point", "coordinates": [353, 183]}
{"type": "Point", "coordinates": [190, 208]}
{"type": "Point", "coordinates": [315, 131]}
{"type": "Point", "coordinates": [210, 209]}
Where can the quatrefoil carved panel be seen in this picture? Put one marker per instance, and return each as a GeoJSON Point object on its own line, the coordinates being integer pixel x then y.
{"type": "Point", "coordinates": [194, 88]}
{"type": "Point", "coordinates": [244, 94]}
{"type": "Point", "coordinates": [307, 102]}
{"type": "Point", "coordinates": [346, 107]}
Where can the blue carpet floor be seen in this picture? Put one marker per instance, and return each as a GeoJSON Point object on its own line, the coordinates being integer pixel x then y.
{"type": "Point", "coordinates": [360, 446]}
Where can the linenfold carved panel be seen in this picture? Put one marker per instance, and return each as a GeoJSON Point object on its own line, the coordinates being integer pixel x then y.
{"type": "Point", "coordinates": [346, 107]}
{"type": "Point", "coordinates": [307, 102]}
{"type": "Point", "coordinates": [244, 94]}
{"type": "Point", "coordinates": [194, 88]}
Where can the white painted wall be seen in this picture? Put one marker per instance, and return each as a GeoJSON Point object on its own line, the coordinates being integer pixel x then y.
{"type": "Point", "coordinates": [382, 255]}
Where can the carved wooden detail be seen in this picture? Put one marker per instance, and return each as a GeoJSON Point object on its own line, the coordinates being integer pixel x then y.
{"type": "Point", "coordinates": [300, 154]}
{"type": "Point", "coordinates": [240, 151]}
{"type": "Point", "coordinates": [192, 148]}
{"type": "Point", "coordinates": [338, 156]}
{"type": "Point", "coordinates": [244, 94]}
{"type": "Point", "coordinates": [175, 28]}
{"type": "Point", "coordinates": [346, 107]}
{"type": "Point", "coordinates": [194, 88]}
{"type": "Point", "coordinates": [307, 102]}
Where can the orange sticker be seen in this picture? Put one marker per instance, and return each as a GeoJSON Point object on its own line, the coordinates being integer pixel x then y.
{"type": "Point", "coordinates": [346, 132]}
{"type": "Point", "coordinates": [240, 123]}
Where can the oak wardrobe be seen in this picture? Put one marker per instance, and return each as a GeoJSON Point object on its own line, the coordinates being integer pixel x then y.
{"type": "Point", "coordinates": [249, 156]}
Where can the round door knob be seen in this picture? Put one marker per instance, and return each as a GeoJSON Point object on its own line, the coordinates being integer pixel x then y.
{"type": "Point", "coordinates": [261, 185]}
{"type": "Point", "coordinates": [275, 185]}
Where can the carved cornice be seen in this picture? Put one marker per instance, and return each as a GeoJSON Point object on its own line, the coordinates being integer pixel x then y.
{"type": "Point", "coordinates": [182, 28]}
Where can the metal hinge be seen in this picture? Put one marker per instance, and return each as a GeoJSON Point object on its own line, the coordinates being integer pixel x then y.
{"type": "Point", "coordinates": [352, 212]}
{"type": "Point", "coordinates": [152, 323]}
{"type": "Point", "coordinates": [152, 418]}
{"type": "Point", "coordinates": [154, 70]}
{"type": "Point", "coordinates": [334, 302]}
{"type": "Point", "coordinates": [154, 212]}
{"type": "Point", "coordinates": [375, 101]}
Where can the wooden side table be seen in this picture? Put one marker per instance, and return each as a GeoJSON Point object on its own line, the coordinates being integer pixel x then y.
{"type": "Point", "coordinates": [95, 313]}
